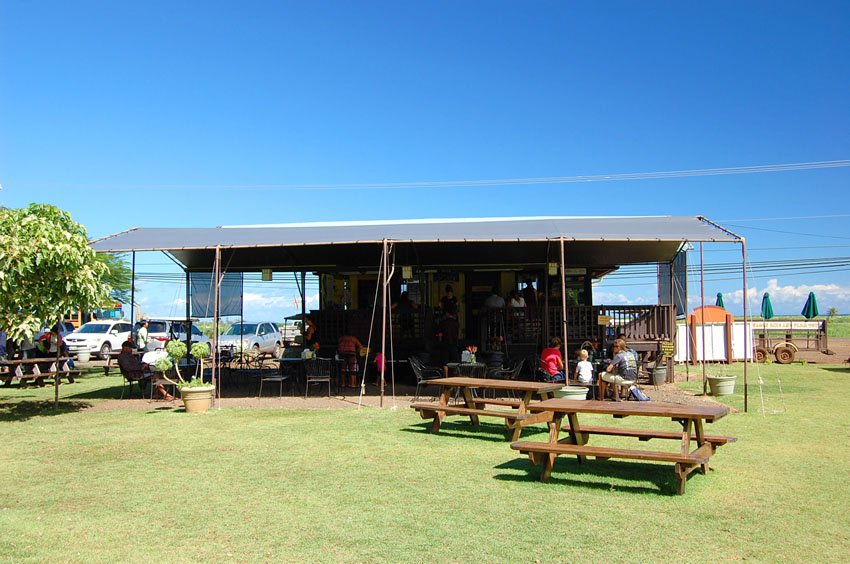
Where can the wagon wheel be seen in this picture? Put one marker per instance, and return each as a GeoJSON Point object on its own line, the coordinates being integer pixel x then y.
{"type": "Point", "coordinates": [761, 354]}
{"type": "Point", "coordinates": [784, 355]}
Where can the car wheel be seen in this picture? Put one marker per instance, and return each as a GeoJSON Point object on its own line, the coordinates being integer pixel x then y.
{"type": "Point", "coordinates": [277, 350]}
{"type": "Point", "coordinates": [105, 350]}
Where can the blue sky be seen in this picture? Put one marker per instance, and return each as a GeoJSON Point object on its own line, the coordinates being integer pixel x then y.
{"type": "Point", "coordinates": [205, 113]}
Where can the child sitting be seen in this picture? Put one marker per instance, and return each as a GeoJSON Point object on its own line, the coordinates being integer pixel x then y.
{"type": "Point", "coordinates": [584, 370]}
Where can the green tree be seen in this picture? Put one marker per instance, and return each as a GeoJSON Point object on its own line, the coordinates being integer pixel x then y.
{"type": "Point", "coordinates": [46, 269]}
{"type": "Point", "coordinates": [833, 311]}
{"type": "Point", "coordinates": [118, 277]}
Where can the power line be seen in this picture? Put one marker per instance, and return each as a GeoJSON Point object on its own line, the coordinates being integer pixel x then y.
{"type": "Point", "coordinates": [689, 173]}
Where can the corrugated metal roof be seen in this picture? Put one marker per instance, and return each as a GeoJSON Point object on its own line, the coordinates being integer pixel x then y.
{"type": "Point", "coordinates": [481, 230]}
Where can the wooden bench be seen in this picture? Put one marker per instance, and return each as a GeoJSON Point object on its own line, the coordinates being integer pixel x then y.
{"type": "Point", "coordinates": [646, 435]}
{"type": "Point", "coordinates": [39, 378]}
{"type": "Point", "coordinates": [685, 462]}
{"type": "Point", "coordinates": [432, 411]}
{"type": "Point", "coordinates": [474, 407]}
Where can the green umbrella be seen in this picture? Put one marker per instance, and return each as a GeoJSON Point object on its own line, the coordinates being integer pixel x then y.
{"type": "Point", "coordinates": [810, 310]}
{"type": "Point", "coordinates": [766, 308]}
{"type": "Point", "coordinates": [719, 302]}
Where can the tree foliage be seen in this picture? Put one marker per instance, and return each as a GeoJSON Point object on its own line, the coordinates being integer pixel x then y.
{"type": "Point", "coordinates": [47, 269]}
{"type": "Point", "coordinates": [118, 277]}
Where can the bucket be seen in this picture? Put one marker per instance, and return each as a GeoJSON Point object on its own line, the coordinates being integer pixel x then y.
{"type": "Point", "coordinates": [572, 393]}
{"type": "Point", "coordinates": [721, 385]}
{"type": "Point", "coordinates": [84, 356]}
{"type": "Point", "coordinates": [659, 376]}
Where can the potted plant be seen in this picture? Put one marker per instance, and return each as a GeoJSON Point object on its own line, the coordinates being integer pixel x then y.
{"type": "Point", "coordinates": [195, 393]}
{"type": "Point", "coordinates": [721, 385]}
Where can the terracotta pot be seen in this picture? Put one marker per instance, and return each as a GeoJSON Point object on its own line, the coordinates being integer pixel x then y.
{"type": "Point", "coordinates": [197, 400]}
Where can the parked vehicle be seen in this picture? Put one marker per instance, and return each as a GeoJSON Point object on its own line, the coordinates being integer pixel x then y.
{"type": "Point", "coordinates": [262, 337]}
{"type": "Point", "coordinates": [164, 329]}
{"type": "Point", "coordinates": [290, 332]}
{"type": "Point", "coordinates": [99, 337]}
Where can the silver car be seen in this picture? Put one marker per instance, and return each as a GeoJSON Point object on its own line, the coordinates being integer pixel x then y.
{"type": "Point", "coordinates": [259, 337]}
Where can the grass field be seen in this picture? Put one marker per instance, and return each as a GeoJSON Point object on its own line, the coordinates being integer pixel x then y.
{"type": "Point", "coordinates": [373, 485]}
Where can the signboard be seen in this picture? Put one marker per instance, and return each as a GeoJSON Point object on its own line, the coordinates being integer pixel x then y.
{"type": "Point", "coordinates": [575, 271]}
{"type": "Point", "coordinates": [603, 319]}
{"type": "Point", "coordinates": [786, 325]}
{"type": "Point", "coordinates": [666, 348]}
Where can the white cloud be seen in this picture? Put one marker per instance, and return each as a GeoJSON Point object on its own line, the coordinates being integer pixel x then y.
{"type": "Point", "coordinates": [789, 299]}
{"type": "Point", "coordinates": [620, 299]}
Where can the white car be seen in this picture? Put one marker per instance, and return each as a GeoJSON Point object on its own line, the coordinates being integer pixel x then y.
{"type": "Point", "coordinates": [99, 337]}
{"type": "Point", "coordinates": [262, 337]}
{"type": "Point", "coordinates": [163, 329]}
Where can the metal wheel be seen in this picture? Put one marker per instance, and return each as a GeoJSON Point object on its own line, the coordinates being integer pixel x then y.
{"type": "Point", "coordinates": [105, 349]}
{"type": "Point", "coordinates": [278, 351]}
{"type": "Point", "coordinates": [784, 355]}
{"type": "Point", "coordinates": [761, 354]}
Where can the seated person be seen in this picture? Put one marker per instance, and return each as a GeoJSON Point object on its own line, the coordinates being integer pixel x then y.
{"type": "Point", "coordinates": [552, 362]}
{"type": "Point", "coordinates": [134, 370]}
{"type": "Point", "coordinates": [494, 300]}
{"type": "Point", "coordinates": [348, 348]}
{"type": "Point", "coordinates": [584, 369]}
{"type": "Point", "coordinates": [621, 373]}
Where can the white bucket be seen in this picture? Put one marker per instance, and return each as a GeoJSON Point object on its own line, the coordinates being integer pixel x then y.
{"type": "Point", "coordinates": [84, 356]}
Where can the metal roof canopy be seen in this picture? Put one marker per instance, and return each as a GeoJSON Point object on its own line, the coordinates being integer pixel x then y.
{"type": "Point", "coordinates": [596, 242]}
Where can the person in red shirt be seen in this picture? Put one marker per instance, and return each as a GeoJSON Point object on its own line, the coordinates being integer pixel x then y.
{"type": "Point", "coordinates": [551, 360]}
{"type": "Point", "coordinates": [348, 348]}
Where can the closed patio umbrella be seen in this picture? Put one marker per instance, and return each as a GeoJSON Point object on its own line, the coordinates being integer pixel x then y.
{"type": "Point", "coordinates": [719, 302]}
{"type": "Point", "coordinates": [766, 307]}
{"type": "Point", "coordinates": [810, 310]}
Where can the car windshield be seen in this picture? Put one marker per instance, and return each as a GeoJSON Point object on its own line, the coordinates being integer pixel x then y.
{"type": "Point", "coordinates": [94, 328]}
{"type": "Point", "coordinates": [242, 329]}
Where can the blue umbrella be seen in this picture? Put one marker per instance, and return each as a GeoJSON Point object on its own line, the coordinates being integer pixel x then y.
{"type": "Point", "coordinates": [810, 310]}
{"type": "Point", "coordinates": [719, 302]}
{"type": "Point", "coordinates": [766, 307]}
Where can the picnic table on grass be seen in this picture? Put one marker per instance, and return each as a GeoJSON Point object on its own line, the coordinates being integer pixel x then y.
{"type": "Point", "coordinates": [37, 369]}
{"type": "Point", "coordinates": [689, 417]}
{"type": "Point", "coordinates": [515, 411]}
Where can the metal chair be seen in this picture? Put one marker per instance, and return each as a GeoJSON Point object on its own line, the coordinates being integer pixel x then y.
{"type": "Point", "coordinates": [318, 371]}
{"type": "Point", "coordinates": [280, 377]}
{"type": "Point", "coordinates": [423, 374]}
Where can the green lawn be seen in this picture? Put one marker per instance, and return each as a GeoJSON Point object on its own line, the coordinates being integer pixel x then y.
{"type": "Point", "coordinates": [347, 485]}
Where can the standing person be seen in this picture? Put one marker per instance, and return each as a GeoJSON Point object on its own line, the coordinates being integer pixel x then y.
{"type": "Point", "coordinates": [348, 348]}
{"type": "Point", "coordinates": [142, 335]}
{"type": "Point", "coordinates": [3, 351]}
{"type": "Point", "coordinates": [552, 362]}
{"type": "Point", "coordinates": [447, 336]}
{"type": "Point", "coordinates": [621, 373]}
{"type": "Point", "coordinates": [405, 308]}
{"type": "Point", "coordinates": [310, 337]}
{"type": "Point", "coordinates": [449, 300]}
{"type": "Point", "coordinates": [516, 300]}
{"type": "Point", "coordinates": [529, 294]}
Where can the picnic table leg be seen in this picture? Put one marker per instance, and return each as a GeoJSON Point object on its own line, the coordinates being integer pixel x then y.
{"type": "Point", "coordinates": [470, 402]}
{"type": "Point", "coordinates": [522, 409]}
{"type": "Point", "coordinates": [576, 434]}
{"type": "Point", "coordinates": [681, 478]}
{"type": "Point", "coordinates": [701, 441]}
{"type": "Point", "coordinates": [549, 460]}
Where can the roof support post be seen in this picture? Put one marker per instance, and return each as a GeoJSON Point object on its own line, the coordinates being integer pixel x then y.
{"type": "Point", "coordinates": [385, 260]}
{"type": "Point", "coordinates": [702, 312]}
{"type": "Point", "coordinates": [565, 325]}
{"type": "Point", "coordinates": [133, 296]}
{"type": "Point", "coordinates": [748, 346]}
{"type": "Point", "coordinates": [216, 306]}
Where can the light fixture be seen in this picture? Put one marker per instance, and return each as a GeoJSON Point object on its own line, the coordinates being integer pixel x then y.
{"type": "Point", "coordinates": [407, 272]}
{"type": "Point", "coordinates": [267, 275]}
{"type": "Point", "coordinates": [553, 268]}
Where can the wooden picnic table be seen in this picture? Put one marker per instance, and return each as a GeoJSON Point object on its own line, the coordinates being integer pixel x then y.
{"type": "Point", "coordinates": [37, 369]}
{"type": "Point", "coordinates": [689, 417]}
{"type": "Point", "coordinates": [516, 416]}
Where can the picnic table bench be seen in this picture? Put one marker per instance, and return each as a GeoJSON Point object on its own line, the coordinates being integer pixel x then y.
{"type": "Point", "coordinates": [31, 369]}
{"type": "Point", "coordinates": [690, 418]}
{"type": "Point", "coordinates": [517, 417]}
